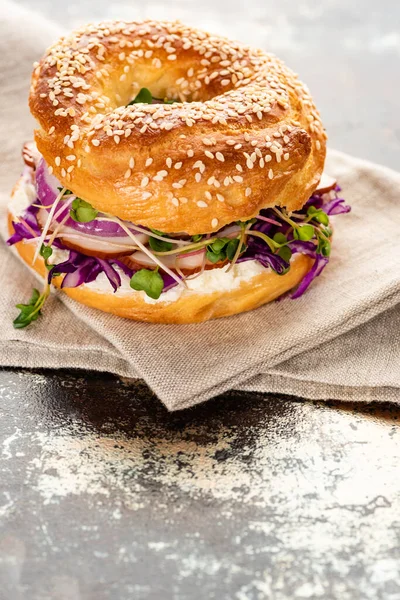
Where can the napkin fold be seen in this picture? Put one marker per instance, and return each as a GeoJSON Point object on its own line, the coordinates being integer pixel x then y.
{"type": "Point", "coordinates": [339, 340]}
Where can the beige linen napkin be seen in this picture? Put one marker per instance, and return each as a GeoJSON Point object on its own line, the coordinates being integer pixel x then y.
{"type": "Point", "coordinates": [340, 340]}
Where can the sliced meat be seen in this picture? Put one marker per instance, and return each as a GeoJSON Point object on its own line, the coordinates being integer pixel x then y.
{"type": "Point", "coordinates": [326, 184]}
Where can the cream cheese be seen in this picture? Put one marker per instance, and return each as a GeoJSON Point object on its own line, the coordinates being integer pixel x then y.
{"type": "Point", "coordinates": [208, 282]}
{"type": "Point", "coordinates": [24, 194]}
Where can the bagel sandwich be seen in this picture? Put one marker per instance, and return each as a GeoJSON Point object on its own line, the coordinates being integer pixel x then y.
{"type": "Point", "coordinates": [174, 177]}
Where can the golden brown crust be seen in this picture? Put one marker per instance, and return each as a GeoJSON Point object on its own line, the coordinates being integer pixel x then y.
{"type": "Point", "coordinates": [195, 308]}
{"type": "Point", "coordinates": [247, 135]}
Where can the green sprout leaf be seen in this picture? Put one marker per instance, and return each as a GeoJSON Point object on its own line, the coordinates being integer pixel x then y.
{"type": "Point", "coordinates": [218, 245]}
{"type": "Point", "coordinates": [45, 251]}
{"type": "Point", "coordinates": [143, 97]}
{"type": "Point", "coordinates": [197, 238]}
{"type": "Point", "coordinates": [322, 217]}
{"type": "Point", "coordinates": [149, 282]}
{"type": "Point", "coordinates": [324, 247]}
{"type": "Point", "coordinates": [214, 257]}
{"type": "Point", "coordinates": [216, 251]}
{"type": "Point", "coordinates": [146, 97]}
{"type": "Point", "coordinates": [159, 245]}
{"type": "Point", "coordinates": [82, 212]}
{"type": "Point", "coordinates": [30, 312]}
{"type": "Point", "coordinates": [285, 253]}
{"type": "Point", "coordinates": [318, 215]}
{"type": "Point", "coordinates": [280, 239]}
{"type": "Point", "coordinates": [232, 247]}
{"type": "Point", "coordinates": [304, 233]}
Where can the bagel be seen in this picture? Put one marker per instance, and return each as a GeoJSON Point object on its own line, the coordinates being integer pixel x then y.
{"type": "Point", "coordinates": [175, 176]}
{"type": "Point", "coordinates": [245, 135]}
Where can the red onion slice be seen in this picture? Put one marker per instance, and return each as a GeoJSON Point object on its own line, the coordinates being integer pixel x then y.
{"type": "Point", "coordinates": [47, 190]}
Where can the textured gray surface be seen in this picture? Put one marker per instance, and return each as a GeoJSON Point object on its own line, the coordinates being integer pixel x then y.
{"type": "Point", "coordinates": [104, 495]}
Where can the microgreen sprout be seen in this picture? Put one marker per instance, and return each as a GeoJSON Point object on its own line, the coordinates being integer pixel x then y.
{"type": "Point", "coordinates": [303, 232]}
{"type": "Point", "coordinates": [146, 97]}
{"type": "Point", "coordinates": [143, 97]}
{"type": "Point", "coordinates": [149, 282]}
{"type": "Point", "coordinates": [197, 238]}
{"type": "Point", "coordinates": [82, 212]}
{"type": "Point", "coordinates": [31, 311]}
{"type": "Point", "coordinates": [46, 252]}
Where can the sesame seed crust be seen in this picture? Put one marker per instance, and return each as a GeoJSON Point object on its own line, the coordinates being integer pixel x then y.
{"type": "Point", "coordinates": [245, 135]}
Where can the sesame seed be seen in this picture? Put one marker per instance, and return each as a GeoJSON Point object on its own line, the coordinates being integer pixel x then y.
{"type": "Point", "coordinates": [50, 169]}
{"type": "Point", "coordinates": [175, 201]}
{"type": "Point", "coordinates": [247, 192]}
{"type": "Point", "coordinates": [271, 174]}
{"type": "Point", "coordinates": [237, 178]}
{"type": "Point", "coordinates": [220, 198]}
{"type": "Point", "coordinates": [96, 142]}
{"type": "Point", "coordinates": [214, 223]}
{"type": "Point", "coordinates": [71, 157]}
{"type": "Point", "coordinates": [198, 177]}
{"type": "Point", "coordinates": [190, 153]}
{"type": "Point", "coordinates": [318, 145]}
{"type": "Point", "coordinates": [219, 156]}
{"type": "Point", "coordinates": [169, 162]}
{"type": "Point", "coordinates": [51, 130]}
{"type": "Point", "coordinates": [178, 165]}
{"type": "Point", "coordinates": [131, 162]}
{"type": "Point", "coordinates": [286, 156]}
{"type": "Point", "coordinates": [202, 204]}
{"type": "Point", "coordinates": [144, 182]}
{"type": "Point", "coordinates": [208, 195]}
{"type": "Point", "coordinates": [148, 162]}
{"type": "Point", "coordinates": [146, 195]}
{"type": "Point", "coordinates": [209, 154]}
{"type": "Point", "coordinates": [127, 174]}
{"type": "Point", "coordinates": [57, 161]}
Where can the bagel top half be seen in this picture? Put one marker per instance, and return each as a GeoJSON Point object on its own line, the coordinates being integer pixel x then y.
{"type": "Point", "coordinates": [244, 134]}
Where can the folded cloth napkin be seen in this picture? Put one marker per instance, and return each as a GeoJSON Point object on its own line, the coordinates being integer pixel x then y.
{"type": "Point", "coordinates": [339, 340]}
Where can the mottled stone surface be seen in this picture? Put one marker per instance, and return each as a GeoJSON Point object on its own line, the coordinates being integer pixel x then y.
{"type": "Point", "coordinates": [104, 495]}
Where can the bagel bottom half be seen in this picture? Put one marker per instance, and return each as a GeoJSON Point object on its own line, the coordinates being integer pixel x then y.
{"type": "Point", "coordinates": [192, 307]}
